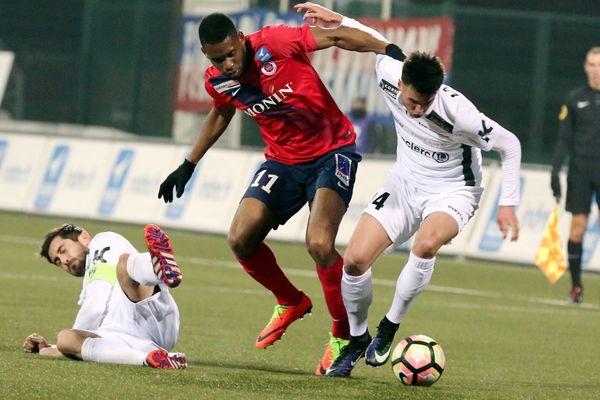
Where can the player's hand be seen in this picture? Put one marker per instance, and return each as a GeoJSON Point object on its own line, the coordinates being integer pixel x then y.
{"type": "Point", "coordinates": [176, 179]}
{"type": "Point", "coordinates": [319, 16]}
{"type": "Point", "coordinates": [34, 342]}
{"type": "Point", "coordinates": [507, 221]}
{"type": "Point", "coordinates": [555, 185]}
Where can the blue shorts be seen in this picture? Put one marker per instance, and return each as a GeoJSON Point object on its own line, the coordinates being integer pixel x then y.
{"type": "Point", "coordinates": [285, 189]}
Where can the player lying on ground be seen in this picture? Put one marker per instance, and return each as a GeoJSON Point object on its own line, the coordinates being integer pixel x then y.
{"type": "Point", "coordinates": [310, 156]}
{"type": "Point", "coordinates": [126, 315]}
{"type": "Point", "coordinates": [432, 191]}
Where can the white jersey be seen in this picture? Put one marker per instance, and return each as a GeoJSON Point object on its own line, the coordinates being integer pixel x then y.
{"type": "Point", "coordinates": [104, 249]}
{"type": "Point", "coordinates": [100, 278]}
{"type": "Point", "coordinates": [105, 308]}
{"type": "Point", "coordinates": [441, 150]}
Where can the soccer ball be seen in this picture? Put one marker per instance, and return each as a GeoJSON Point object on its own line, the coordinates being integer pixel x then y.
{"type": "Point", "coordinates": [418, 360]}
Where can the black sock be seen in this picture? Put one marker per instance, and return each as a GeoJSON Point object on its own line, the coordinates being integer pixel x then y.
{"type": "Point", "coordinates": [388, 325]}
{"type": "Point", "coordinates": [365, 337]}
{"type": "Point", "coordinates": [575, 250]}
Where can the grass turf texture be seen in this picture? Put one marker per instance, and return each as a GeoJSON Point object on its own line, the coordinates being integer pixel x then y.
{"type": "Point", "coordinates": [503, 336]}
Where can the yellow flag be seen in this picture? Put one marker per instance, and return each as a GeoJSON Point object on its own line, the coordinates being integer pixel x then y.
{"type": "Point", "coordinates": [550, 258]}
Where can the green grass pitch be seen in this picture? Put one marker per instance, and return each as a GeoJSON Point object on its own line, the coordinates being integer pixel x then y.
{"type": "Point", "coordinates": [506, 332]}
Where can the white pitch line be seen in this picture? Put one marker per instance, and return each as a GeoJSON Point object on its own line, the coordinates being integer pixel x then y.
{"type": "Point", "coordinates": [391, 283]}
{"type": "Point", "coordinates": [23, 277]}
{"type": "Point", "coordinates": [260, 292]}
{"type": "Point", "coordinates": [27, 241]}
{"type": "Point", "coordinates": [573, 310]}
{"type": "Point", "coordinates": [305, 273]}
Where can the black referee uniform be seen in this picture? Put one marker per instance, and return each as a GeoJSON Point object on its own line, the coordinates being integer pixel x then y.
{"type": "Point", "coordinates": [578, 139]}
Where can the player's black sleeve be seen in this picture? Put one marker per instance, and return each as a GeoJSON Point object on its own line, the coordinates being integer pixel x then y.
{"type": "Point", "coordinates": [563, 148]}
{"type": "Point", "coordinates": [394, 51]}
{"type": "Point", "coordinates": [564, 143]}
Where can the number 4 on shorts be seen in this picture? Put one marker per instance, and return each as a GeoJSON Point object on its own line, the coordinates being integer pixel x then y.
{"type": "Point", "coordinates": [379, 200]}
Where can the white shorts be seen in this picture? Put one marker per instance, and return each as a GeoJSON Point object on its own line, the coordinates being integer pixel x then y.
{"type": "Point", "coordinates": [134, 342]}
{"type": "Point", "coordinates": [400, 207]}
{"type": "Point", "coordinates": [150, 323]}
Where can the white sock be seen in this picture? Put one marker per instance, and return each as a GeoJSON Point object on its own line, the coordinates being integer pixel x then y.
{"type": "Point", "coordinates": [140, 269]}
{"type": "Point", "coordinates": [414, 277]}
{"type": "Point", "coordinates": [357, 292]}
{"type": "Point", "coordinates": [111, 351]}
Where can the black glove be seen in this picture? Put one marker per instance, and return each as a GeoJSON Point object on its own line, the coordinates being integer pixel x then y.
{"type": "Point", "coordinates": [177, 179]}
{"type": "Point", "coordinates": [395, 52]}
{"type": "Point", "coordinates": [555, 185]}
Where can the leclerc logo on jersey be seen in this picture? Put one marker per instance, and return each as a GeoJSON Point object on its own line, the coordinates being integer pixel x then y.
{"type": "Point", "coordinates": [269, 102]}
{"type": "Point", "coordinates": [438, 156]}
{"type": "Point", "coordinates": [263, 54]}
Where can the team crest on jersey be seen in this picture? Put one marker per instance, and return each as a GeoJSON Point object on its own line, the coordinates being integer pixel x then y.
{"type": "Point", "coordinates": [388, 88]}
{"type": "Point", "coordinates": [269, 68]}
{"type": "Point", "coordinates": [263, 54]}
{"type": "Point", "coordinates": [227, 86]}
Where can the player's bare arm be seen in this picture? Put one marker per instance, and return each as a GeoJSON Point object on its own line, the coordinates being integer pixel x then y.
{"type": "Point", "coordinates": [217, 121]}
{"type": "Point", "coordinates": [509, 148]}
{"type": "Point", "coordinates": [348, 39]}
{"type": "Point", "coordinates": [36, 344]}
{"type": "Point", "coordinates": [327, 32]}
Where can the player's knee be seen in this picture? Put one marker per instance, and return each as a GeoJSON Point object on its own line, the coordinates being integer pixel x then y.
{"type": "Point", "coordinates": [122, 274]}
{"type": "Point", "coordinates": [320, 249]}
{"type": "Point", "coordinates": [123, 259]}
{"type": "Point", "coordinates": [355, 264]}
{"type": "Point", "coordinates": [576, 235]}
{"type": "Point", "coordinates": [425, 247]}
{"type": "Point", "coordinates": [122, 264]}
{"type": "Point", "coordinates": [577, 231]}
{"type": "Point", "coordinates": [66, 342]}
{"type": "Point", "coordinates": [240, 246]}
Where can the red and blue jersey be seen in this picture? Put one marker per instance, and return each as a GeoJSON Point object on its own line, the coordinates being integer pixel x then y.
{"type": "Point", "coordinates": [280, 89]}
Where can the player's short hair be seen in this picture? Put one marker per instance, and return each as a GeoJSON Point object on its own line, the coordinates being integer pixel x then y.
{"type": "Point", "coordinates": [424, 72]}
{"type": "Point", "coordinates": [65, 231]}
{"type": "Point", "coordinates": [594, 50]}
{"type": "Point", "coordinates": [215, 28]}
